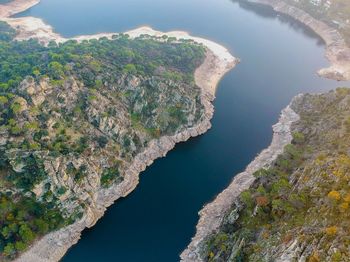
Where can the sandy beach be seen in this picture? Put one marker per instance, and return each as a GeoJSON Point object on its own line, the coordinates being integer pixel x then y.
{"type": "Point", "coordinates": [337, 52]}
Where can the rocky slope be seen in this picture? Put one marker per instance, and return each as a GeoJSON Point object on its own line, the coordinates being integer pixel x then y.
{"type": "Point", "coordinates": [87, 117]}
{"type": "Point", "coordinates": [211, 215]}
{"type": "Point", "coordinates": [54, 245]}
{"type": "Point", "coordinates": [297, 207]}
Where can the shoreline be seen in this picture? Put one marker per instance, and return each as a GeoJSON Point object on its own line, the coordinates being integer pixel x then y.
{"type": "Point", "coordinates": [212, 213]}
{"type": "Point", "coordinates": [16, 6]}
{"type": "Point", "coordinates": [218, 61]}
{"type": "Point", "coordinates": [53, 246]}
{"type": "Point", "coordinates": [338, 54]}
{"type": "Point", "coordinates": [337, 51]}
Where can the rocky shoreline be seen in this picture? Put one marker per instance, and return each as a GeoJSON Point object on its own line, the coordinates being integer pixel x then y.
{"type": "Point", "coordinates": [212, 214]}
{"type": "Point", "coordinates": [337, 52]}
{"type": "Point", "coordinates": [218, 62]}
{"type": "Point", "coordinates": [53, 246]}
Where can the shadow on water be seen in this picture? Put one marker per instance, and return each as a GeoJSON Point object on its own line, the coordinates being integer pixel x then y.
{"type": "Point", "coordinates": [268, 12]}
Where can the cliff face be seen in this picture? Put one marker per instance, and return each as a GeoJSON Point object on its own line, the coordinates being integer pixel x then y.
{"type": "Point", "coordinates": [297, 208]}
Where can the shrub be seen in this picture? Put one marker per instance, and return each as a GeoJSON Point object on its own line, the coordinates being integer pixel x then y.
{"type": "Point", "coordinates": [331, 231]}
{"type": "Point", "coordinates": [334, 195]}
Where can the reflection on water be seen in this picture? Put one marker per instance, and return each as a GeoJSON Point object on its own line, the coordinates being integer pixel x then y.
{"type": "Point", "coordinates": [268, 12]}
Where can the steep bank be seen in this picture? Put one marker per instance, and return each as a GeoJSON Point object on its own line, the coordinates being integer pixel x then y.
{"type": "Point", "coordinates": [53, 246]}
{"type": "Point", "coordinates": [212, 214]}
{"type": "Point", "coordinates": [217, 62]}
{"type": "Point", "coordinates": [297, 208]}
{"type": "Point", "coordinates": [337, 51]}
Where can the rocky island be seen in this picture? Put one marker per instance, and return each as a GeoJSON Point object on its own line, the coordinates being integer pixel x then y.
{"type": "Point", "coordinates": [81, 118]}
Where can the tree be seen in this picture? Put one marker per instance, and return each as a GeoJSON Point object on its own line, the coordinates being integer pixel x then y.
{"type": "Point", "coordinates": [102, 141]}
{"type": "Point", "coordinates": [20, 246]}
{"type": "Point", "coordinates": [3, 100]}
{"type": "Point", "coordinates": [130, 69]}
{"type": "Point", "coordinates": [9, 250]}
{"type": "Point", "coordinates": [26, 233]}
{"type": "Point", "coordinates": [56, 70]}
{"type": "Point", "coordinates": [334, 195]}
{"type": "Point", "coordinates": [262, 201]}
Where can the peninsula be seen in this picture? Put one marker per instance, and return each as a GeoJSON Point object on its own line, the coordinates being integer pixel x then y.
{"type": "Point", "coordinates": [81, 118]}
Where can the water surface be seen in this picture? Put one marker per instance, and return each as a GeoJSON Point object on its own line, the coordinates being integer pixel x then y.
{"type": "Point", "coordinates": [279, 60]}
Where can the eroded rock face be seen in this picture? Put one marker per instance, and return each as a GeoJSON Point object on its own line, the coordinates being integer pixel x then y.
{"type": "Point", "coordinates": [102, 130]}
{"type": "Point", "coordinates": [143, 147]}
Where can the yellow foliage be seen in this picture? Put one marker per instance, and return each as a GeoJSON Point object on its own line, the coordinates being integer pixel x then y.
{"type": "Point", "coordinates": [331, 231]}
{"type": "Point", "coordinates": [338, 173]}
{"type": "Point", "coordinates": [344, 160]}
{"type": "Point", "coordinates": [347, 198]}
{"type": "Point", "coordinates": [335, 195]}
{"type": "Point", "coordinates": [314, 258]}
{"type": "Point", "coordinates": [344, 206]}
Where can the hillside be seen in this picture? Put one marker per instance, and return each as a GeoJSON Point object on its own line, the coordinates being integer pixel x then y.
{"type": "Point", "coordinates": [74, 116]}
{"type": "Point", "coordinates": [298, 208]}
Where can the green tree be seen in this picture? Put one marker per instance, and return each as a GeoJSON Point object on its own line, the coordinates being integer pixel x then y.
{"type": "Point", "coordinates": [26, 233]}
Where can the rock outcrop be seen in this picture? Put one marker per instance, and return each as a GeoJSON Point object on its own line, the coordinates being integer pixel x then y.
{"type": "Point", "coordinates": [54, 245]}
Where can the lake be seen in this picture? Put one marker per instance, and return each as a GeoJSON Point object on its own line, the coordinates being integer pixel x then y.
{"type": "Point", "coordinates": [279, 58]}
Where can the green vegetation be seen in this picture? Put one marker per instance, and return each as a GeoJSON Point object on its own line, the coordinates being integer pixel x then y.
{"type": "Point", "coordinates": [302, 198]}
{"type": "Point", "coordinates": [73, 116]}
{"type": "Point", "coordinates": [109, 176]}
{"type": "Point", "coordinates": [23, 219]}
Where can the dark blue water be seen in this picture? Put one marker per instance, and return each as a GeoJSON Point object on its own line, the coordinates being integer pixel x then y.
{"type": "Point", "coordinates": [279, 60]}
